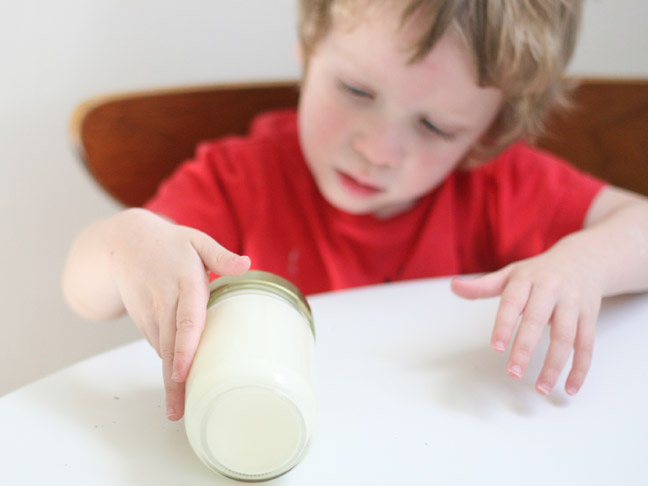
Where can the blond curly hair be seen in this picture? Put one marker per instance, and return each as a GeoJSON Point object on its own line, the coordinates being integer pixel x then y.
{"type": "Point", "coordinates": [521, 47]}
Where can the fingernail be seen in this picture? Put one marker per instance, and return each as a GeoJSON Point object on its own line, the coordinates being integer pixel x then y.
{"type": "Point", "coordinates": [572, 390]}
{"type": "Point", "coordinates": [499, 346]}
{"type": "Point", "coordinates": [242, 260]}
{"type": "Point", "coordinates": [170, 412]}
{"type": "Point", "coordinates": [544, 388]}
{"type": "Point", "coordinates": [175, 376]}
{"type": "Point", "coordinates": [515, 371]}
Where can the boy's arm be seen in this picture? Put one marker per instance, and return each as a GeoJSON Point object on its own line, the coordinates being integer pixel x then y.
{"type": "Point", "coordinates": [617, 224]}
{"type": "Point", "coordinates": [564, 287]}
{"type": "Point", "coordinates": [158, 272]}
{"type": "Point", "coordinates": [88, 285]}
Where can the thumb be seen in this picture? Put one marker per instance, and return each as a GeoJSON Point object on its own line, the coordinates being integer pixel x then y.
{"type": "Point", "coordinates": [217, 258]}
{"type": "Point", "coordinates": [485, 286]}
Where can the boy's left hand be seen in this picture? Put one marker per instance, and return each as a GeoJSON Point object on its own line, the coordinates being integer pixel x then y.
{"type": "Point", "coordinates": [559, 288]}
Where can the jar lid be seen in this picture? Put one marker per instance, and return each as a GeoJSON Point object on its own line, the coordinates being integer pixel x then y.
{"type": "Point", "coordinates": [257, 279]}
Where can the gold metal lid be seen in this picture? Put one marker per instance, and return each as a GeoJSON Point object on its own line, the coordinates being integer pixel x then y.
{"type": "Point", "coordinates": [257, 279]}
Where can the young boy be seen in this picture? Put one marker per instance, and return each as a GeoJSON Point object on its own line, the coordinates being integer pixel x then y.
{"type": "Point", "coordinates": [401, 163]}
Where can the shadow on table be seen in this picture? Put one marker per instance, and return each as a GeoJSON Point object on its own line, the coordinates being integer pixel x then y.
{"type": "Point", "coordinates": [475, 382]}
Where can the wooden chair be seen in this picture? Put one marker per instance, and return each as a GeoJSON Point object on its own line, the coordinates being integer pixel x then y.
{"type": "Point", "coordinates": [607, 132]}
{"type": "Point", "coordinates": [130, 142]}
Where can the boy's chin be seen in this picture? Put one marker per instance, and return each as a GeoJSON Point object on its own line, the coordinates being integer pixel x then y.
{"type": "Point", "coordinates": [378, 211]}
{"type": "Point", "coordinates": [349, 206]}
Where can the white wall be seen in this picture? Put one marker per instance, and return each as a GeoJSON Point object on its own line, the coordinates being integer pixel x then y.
{"type": "Point", "coordinates": [54, 54]}
{"type": "Point", "coordinates": [613, 40]}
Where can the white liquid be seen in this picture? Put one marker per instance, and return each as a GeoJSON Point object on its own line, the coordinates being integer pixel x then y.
{"type": "Point", "coordinates": [250, 407]}
{"type": "Point", "coordinates": [254, 430]}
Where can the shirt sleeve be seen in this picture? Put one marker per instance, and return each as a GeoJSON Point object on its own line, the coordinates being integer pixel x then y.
{"type": "Point", "coordinates": [533, 200]}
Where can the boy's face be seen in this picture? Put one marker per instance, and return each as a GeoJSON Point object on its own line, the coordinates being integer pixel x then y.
{"type": "Point", "coordinates": [379, 132]}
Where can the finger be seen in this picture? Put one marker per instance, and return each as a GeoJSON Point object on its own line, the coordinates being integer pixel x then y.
{"type": "Point", "coordinates": [512, 303]}
{"type": "Point", "coordinates": [535, 317]}
{"type": "Point", "coordinates": [173, 390]}
{"type": "Point", "coordinates": [489, 285]}
{"type": "Point", "coordinates": [218, 259]}
{"type": "Point", "coordinates": [583, 351]}
{"type": "Point", "coordinates": [190, 322]}
{"type": "Point", "coordinates": [563, 335]}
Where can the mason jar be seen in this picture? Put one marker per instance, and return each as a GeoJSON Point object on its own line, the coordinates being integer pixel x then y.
{"type": "Point", "coordinates": [250, 406]}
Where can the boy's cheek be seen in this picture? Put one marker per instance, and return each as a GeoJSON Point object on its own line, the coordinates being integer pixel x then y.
{"type": "Point", "coordinates": [329, 127]}
{"type": "Point", "coordinates": [325, 124]}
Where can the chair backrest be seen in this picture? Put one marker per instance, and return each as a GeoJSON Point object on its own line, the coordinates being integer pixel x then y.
{"type": "Point", "coordinates": [130, 142]}
{"type": "Point", "coordinates": [606, 133]}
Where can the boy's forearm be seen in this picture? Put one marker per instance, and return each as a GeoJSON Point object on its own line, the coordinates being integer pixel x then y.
{"type": "Point", "coordinates": [616, 242]}
{"type": "Point", "coordinates": [88, 285]}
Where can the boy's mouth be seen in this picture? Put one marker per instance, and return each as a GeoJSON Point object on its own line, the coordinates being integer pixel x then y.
{"type": "Point", "coordinates": [355, 187]}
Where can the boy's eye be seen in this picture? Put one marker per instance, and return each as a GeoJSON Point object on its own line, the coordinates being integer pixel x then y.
{"type": "Point", "coordinates": [431, 127]}
{"type": "Point", "coordinates": [354, 91]}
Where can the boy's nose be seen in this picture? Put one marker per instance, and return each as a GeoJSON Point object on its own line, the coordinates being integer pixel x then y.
{"type": "Point", "coordinates": [379, 147]}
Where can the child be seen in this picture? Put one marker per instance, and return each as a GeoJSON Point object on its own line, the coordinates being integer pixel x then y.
{"type": "Point", "coordinates": [401, 163]}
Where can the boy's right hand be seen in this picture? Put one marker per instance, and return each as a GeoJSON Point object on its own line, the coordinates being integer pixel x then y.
{"type": "Point", "coordinates": [161, 271]}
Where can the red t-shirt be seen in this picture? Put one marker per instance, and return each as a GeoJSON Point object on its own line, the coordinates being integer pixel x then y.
{"type": "Point", "coordinates": [256, 196]}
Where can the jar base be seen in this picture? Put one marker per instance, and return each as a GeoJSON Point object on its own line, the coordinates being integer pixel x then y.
{"type": "Point", "coordinates": [253, 433]}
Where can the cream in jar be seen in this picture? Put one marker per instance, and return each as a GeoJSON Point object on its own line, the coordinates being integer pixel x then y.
{"type": "Point", "coordinates": [250, 410]}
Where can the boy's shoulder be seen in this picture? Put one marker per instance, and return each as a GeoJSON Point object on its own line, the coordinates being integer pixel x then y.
{"type": "Point", "coordinates": [522, 161]}
{"type": "Point", "coordinates": [523, 170]}
{"type": "Point", "coordinates": [276, 129]}
{"type": "Point", "coordinates": [271, 123]}
{"type": "Point", "coordinates": [522, 154]}
{"type": "Point", "coordinates": [273, 132]}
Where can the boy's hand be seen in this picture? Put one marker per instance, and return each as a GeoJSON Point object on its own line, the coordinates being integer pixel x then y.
{"type": "Point", "coordinates": [161, 272]}
{"type": "Point", "coordinates": [560, 288]}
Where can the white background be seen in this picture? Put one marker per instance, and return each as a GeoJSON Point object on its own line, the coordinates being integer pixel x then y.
{"type": "Point", "coordinates": [55, 54]}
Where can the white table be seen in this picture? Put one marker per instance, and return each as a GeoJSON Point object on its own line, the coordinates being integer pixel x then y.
{"type": "Point", "coordinates": [410, 394]}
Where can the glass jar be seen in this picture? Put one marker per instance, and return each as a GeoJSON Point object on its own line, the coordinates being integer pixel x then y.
{"type": "Point", "coordinates": [250, 406]}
